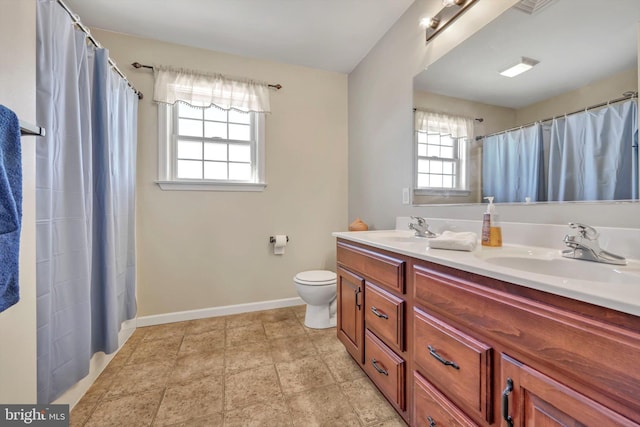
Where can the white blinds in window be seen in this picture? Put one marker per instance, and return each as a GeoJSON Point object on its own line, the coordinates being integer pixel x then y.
{"type": "Point", "coordinates": [442, 124]}
{"type": "Point", "coordinates": [205, 90]}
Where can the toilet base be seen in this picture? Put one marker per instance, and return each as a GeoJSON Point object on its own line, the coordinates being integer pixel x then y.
{"type": "Point", "coordinates": [318, 317]}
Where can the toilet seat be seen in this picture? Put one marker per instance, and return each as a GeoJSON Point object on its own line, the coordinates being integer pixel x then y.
{"type": "Point", "coordinates": [315, 278]}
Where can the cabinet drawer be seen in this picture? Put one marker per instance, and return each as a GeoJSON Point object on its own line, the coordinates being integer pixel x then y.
{"type": "Point", "coordinates": [385, 368]}
{"type": "Point", "coordinates": [430, 407]}
{"type": "Point", "coordinates": [384, 315]}
{"type": "Point", "coordinates": [455, 362]}
{"type": "Point", "coordinates": [381, 269]}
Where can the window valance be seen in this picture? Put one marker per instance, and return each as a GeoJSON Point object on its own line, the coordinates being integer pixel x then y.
{"type": "Point", "coordinates": [204, 90]}
{"type": "Point", "coordinates": [443, 124]}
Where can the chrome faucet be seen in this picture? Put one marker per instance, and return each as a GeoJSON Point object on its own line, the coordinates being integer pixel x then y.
{"type": "Point", "coordinates": [421, 227]}
{"type": "Point", "coordinates": [584, 245]}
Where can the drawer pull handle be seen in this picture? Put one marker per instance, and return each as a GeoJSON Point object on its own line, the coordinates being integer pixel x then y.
{"type": "Point", "coordinates": [377, 313]}
{"type": "Point", "coordinates": [357, 291]}
{"type": "Point", "coordinates": [434, 353]}
{"type": "Point", "coordinates": [432, 422]}
{"type": "Point", "coordinates": [505, 402]}
{"type": "Point", "coordinates": [374, 362]}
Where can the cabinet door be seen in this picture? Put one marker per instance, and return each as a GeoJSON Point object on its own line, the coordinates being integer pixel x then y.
{"type": "Point", "coordinates": [531, 398]}
{"type": "Point", "coordinates": [351, 313]}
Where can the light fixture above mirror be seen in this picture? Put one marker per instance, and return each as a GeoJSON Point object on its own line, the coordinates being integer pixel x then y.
{"type": "Point", "coordinates": [451, 10]}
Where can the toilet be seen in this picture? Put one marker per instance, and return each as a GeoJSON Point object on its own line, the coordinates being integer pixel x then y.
{"type": "Point", "coordinates": [318, 289]}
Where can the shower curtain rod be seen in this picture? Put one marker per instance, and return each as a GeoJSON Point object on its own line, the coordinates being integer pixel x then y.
{"type": "Point", "coordinates": [139, 65]}
{"type": "Point", "coordinates": [625, 96]}
{"type": "Point", "coordinates": [96, 43]}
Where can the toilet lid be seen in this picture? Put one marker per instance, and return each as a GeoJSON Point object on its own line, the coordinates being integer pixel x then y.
{"type": "Point", "coordinates": [316, 277]}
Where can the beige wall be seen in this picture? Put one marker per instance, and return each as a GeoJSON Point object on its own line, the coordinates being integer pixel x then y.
{"type": "Point", "coordinates": [18, 92]}
{"type": "Point", "coordinates": [199, 249]}
{"type": "Point", "coordinates": [601, 91]}
{"type": "Point", "coordinates": [381, 136]}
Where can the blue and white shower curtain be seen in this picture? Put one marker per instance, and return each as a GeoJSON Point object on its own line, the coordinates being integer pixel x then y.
{"type": "Point", "coordinates": [513, 165]}
{"type": "Point", "coordinates": [592, 155]}
{"type": "Point", "coordinates": [85, 188]}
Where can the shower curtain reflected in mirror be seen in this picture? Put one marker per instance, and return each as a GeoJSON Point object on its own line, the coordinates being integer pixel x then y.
{"type": "Point", "coordinates": [85, 181]}
{"type": "Point", "coordinates": [591, 155]}
{"type": "Point", "coordinates": [512, 166]}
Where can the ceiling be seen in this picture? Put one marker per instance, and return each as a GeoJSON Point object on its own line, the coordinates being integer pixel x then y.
{"type": "Point", "coordinates": [332, 35]}
{"type": "Point", "coordinates": [576, 41]}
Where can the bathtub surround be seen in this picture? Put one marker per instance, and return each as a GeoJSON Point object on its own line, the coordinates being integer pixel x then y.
{"type": "Point", "coordinates": [207, 249]}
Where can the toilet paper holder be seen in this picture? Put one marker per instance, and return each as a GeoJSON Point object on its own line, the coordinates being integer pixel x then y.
{"type": "Point", "coordinates": [273, 239]}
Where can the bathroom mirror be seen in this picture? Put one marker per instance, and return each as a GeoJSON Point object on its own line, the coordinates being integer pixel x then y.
{"type": "Point", "coordinates": [586, 53]}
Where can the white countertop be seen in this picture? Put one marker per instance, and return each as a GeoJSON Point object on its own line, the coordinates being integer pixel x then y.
{"type": "Point", "coordinates": [620, 291]}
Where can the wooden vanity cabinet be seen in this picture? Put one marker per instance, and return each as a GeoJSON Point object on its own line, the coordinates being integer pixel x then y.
{"type": "Point", "coordinates": [569, 362]}
{"type": "Point", "coordinates": [460, 349]}
{"type": "Point", "coordinates": [373, 325]}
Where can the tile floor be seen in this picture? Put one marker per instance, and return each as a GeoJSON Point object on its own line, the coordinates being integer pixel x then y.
{"type": "Point", "coordinates": [256, 369]}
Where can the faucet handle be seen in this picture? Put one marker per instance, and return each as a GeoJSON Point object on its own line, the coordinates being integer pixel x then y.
{"type": "Point", "coordinates": [421, 221]}
{"type": "Point", "coordinates": [585, 230]}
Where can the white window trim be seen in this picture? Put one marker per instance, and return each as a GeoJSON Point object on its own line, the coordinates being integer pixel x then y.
{"type": "Point", "coordinates": [427, 191]}
{"type": "Point", "coordinates": [166, 164]}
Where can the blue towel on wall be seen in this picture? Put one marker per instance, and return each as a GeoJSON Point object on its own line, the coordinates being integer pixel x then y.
{"type": "Point", "coordinates": [10, 206]}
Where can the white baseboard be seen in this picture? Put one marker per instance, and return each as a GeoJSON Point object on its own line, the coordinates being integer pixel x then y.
{"type": "Point", "coordinates": [98, 362]}
{"type": "Point", "coordinates": [180, 316]}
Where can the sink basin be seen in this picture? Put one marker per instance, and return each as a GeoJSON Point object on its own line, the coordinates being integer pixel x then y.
{"type": "Point", "coordinates": [396, 237]}
{"type": "Point", "coordinates": [551, 263]}
{"type": "Point", "coordinates": [395, 240]}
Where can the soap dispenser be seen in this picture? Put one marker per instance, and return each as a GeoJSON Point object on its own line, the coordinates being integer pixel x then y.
{"type": "Point", "coordinates": [491, 231]}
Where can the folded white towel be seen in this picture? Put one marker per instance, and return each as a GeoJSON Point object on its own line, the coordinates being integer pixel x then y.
{"type": "Point", "coordinates": [457, 241]}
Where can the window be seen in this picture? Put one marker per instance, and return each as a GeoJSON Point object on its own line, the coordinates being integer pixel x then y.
{"type": "Point", "coordinates": [210, 149]}
{"type": "Point", "coordinates": [441, 162]}
{"type": "Point", "coordinates": [442, 152]}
